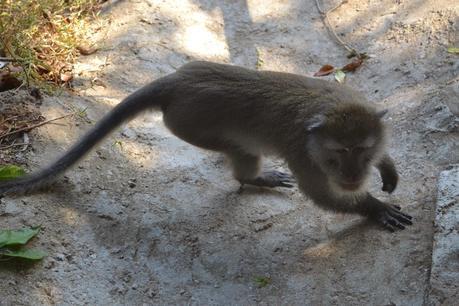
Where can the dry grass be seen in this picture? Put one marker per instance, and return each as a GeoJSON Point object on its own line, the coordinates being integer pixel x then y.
{"type": "Point", "coordinates": [43, 36]}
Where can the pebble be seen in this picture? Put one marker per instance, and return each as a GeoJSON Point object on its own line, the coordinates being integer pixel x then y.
{"type": "Point", "coordinates": [59, 257]}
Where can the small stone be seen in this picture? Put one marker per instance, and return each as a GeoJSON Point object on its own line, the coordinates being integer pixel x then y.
{"type": "Point", "coordinates": [11, 209]}
{"type": "Point", "coordinates": [151, 293]}
{"type": "Point", "coordinates": [59, 257]}
{"type": "Point", "coordinates": [132, 183]}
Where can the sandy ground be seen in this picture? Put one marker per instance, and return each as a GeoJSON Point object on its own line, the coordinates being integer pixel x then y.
{"type": "Point", "coordinates": [148, 219]}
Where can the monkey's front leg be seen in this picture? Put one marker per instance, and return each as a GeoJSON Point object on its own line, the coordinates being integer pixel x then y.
{"type": "Point", "coordinates": [314, 183]}
{"type": "Point", "coordinates": [246, 169]}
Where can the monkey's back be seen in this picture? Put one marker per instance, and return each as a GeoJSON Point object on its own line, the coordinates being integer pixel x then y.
{"type": "Point", "coordinates": [218, 99]}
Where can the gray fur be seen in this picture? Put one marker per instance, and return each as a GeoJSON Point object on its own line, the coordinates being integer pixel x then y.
{"type": "Point", "coordinates": [245, 114]}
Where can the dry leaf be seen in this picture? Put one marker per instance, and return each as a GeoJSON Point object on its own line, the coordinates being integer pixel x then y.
{"type": "Point", "coordinates": [66, 77]}
{"type": "Point", "coordinates": [325, 70]}
{"type": "Point", "coordinates": [352, 66]}
{"type": "Point", "coordinates": [453, 50]}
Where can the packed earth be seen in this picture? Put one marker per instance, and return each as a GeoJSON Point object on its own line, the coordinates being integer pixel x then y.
{"type": "Point", "coordinates": [147, 219]}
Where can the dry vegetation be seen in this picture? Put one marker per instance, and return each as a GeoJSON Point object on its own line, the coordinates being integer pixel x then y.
{"type": "Point", "coordinates": [41, 38]}
{"type": "Point", "coordinates": [39, 42]}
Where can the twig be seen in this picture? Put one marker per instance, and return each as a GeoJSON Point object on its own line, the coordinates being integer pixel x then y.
{"type": "Point", "coordinates": [14, 145]}
{"type": "Point", "coordinates": [10, 59]}
{"type": "Point", "coordinates": [452, 81]}
{"type": "Point", "coordinates": [327, 23]}
{"type": "Point", "coordinates": [8, 119]}
{"type": "Point", "coordinates": [28, 128]}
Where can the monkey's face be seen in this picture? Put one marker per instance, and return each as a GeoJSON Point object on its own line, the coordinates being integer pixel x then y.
{"type": "Point", "coordinates": [345, 146]}
{"type": "Point", "coordinates": [347, 165]}
{"type": "Point", "coordinates": [346, 161]}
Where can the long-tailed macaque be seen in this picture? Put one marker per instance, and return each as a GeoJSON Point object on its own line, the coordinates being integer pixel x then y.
{"type": "Point", "coordinates": [327, 133]}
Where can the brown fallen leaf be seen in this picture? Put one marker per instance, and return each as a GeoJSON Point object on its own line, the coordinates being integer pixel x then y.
{"type": "Point", "coordinates": [66, 77]}
{"type": "Point", "coordinates": [352, 66]}
{"type": "Point", "coordinates": [325, 70]}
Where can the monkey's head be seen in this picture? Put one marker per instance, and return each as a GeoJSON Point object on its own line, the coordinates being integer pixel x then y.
{"type": "Point", "coordinates": [345, 143]}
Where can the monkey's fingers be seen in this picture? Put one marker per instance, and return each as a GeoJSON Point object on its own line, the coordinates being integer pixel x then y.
{"type": "Point", "coordinates": [286, 185]}
{"type": "Point", "coordinates": [275, 178]}
{"type": "Point", "coordinates": [391, 218]}
{"type": "Point", "coordinates": [401, 217]}
{"type": "Point", "coordinates": [280, 175]}
{"type": "Point", "coordinates": [397, 209]}
{"type": "Point", "coordinates": [387, 225]}
{"type": "Point", "coordinates": [389, 222]}
{"type": "Point", "coordinates": [394, 222]}
{"type": "Point", "coordinates": [271, 179]}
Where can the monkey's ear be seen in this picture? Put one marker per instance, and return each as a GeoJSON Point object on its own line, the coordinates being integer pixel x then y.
{"type": "Point", "coordinates": [314, 123]}
{"type": "Point", "coordinates": [382, 113]}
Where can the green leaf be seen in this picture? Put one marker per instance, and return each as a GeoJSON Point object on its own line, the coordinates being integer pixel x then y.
{"type": "Point", "coordinates": [262, 281]}
{"type": "Point", "coordinates": [10, 172]}
{"type": "Point", "coordinates": [340, 76]}
{"type": "Point", "coordinates": [23, 253]}
{"type": "Point", "coordinates": [453, 50]}
{"type": "Point", "coordinates": [20, 236]}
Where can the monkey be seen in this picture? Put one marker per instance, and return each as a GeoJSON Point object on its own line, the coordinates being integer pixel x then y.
{"type": "Point", "coordinates": [329, 135]}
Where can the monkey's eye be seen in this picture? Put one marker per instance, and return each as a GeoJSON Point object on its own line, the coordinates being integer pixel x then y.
{"type": "Point", "coordinates": [358, 149]}
{"type": "Point", "coordinates": [341, 151]}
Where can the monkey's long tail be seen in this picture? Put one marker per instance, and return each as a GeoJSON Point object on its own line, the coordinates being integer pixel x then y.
{"type": "Point", "coordinates": [141, 100]}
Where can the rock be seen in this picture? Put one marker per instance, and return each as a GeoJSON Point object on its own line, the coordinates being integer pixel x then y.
{"type": "Point", "coordinates": [11, 208]}
{"type": "Point", "coordinates": [451, 97]}
{"type": "Point", "coordinates": [445, 266]}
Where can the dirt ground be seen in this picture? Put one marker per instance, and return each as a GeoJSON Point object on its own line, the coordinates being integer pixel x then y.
{"type": "Point", "coordinates": [148, 219]}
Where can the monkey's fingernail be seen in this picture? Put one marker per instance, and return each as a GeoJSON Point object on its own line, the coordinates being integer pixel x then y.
{"type": "Point", "coordinates": [400, 226]}
{"type": "Point", "coordinates": [408, 222]}
{"type": "Point", "coordinates": [407, 216]}
{"type": "Point", "coordinates": [390, 227]}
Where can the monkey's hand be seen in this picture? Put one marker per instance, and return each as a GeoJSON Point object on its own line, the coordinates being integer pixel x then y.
{"type": "Point", "coordinates": [390, 216]}
{"type": "Point", "coordinates": [271, 179]}
{"type": "Point", "coordinates": [389, 179]}
{"type": "Point", "coordinates": [388, 173]}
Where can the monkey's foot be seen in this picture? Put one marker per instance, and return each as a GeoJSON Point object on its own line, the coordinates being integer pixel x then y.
{"type": "Point", "coordinates": [391, 217]}
{"type": "Point", "coordinates": [270, 179]}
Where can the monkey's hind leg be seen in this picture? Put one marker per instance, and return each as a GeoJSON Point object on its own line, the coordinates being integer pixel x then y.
{"type": "Point", "coordinates": [246, 169]}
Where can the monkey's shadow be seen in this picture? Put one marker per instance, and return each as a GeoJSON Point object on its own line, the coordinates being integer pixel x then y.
{"type": "Point", "coordinates": [217, 241]}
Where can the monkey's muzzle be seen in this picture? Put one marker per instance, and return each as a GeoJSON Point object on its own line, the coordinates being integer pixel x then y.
{"type": "Point", "coordinates": [350, 186]}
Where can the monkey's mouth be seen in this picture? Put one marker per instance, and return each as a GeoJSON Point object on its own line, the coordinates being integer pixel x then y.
{"type": "Point", "coordinates": [350, 186]}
